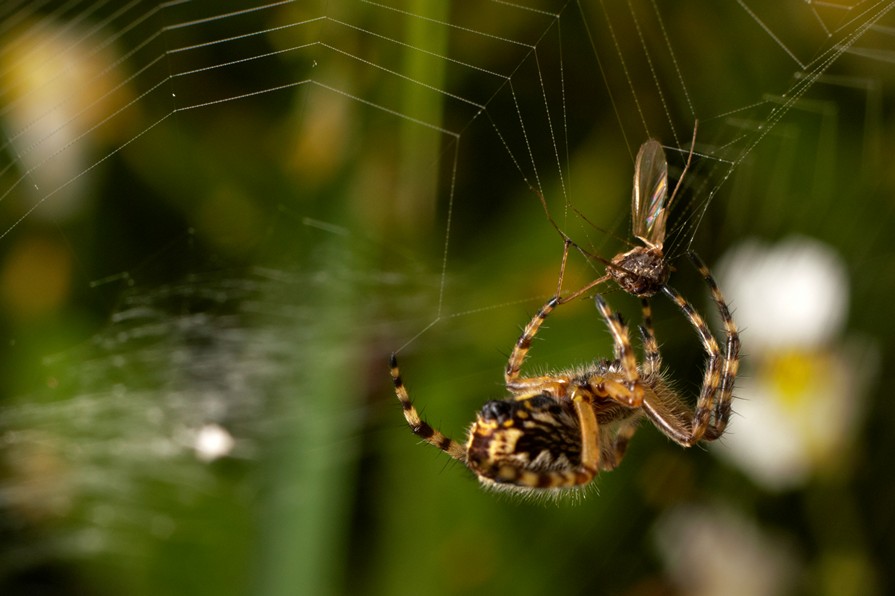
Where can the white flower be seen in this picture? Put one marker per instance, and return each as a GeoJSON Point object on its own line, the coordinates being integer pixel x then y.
{"type": "Point", "coordinates": [800, 391]}
{"type": "Point", "coordinates": [791, 295]}
{"type": "Point", "coordinates": [709, 551]}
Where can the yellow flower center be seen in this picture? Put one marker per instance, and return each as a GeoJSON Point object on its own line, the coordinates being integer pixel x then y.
{"type": "Point", "coordinates": [794, 374]}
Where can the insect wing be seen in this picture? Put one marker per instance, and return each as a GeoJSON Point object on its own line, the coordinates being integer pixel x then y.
{"type": "Point", "coordinates": [648, 208]}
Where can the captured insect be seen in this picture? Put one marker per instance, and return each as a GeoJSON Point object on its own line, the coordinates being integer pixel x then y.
{"type": "Point", "coordinates": [557, 431]}
{"type": "Point", "coordinates": [643, 271]}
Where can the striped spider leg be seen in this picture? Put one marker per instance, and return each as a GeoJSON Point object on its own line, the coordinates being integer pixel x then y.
{"type": "Point", "coordinates": [663, 406]}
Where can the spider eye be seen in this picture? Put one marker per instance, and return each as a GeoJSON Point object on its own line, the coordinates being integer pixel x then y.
{"type": "Point", "coordinates": [498, 411]}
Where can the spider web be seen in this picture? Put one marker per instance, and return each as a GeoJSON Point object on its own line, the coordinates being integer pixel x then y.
{"type": "Point", "coordinates": [294, 189]}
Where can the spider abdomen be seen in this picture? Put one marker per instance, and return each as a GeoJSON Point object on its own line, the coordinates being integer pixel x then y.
{"type": "Point", "coordinates": [539, 433]}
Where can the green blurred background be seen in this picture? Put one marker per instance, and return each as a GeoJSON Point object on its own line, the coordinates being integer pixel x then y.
{"type": "Point", "coordinates": [217, 222]}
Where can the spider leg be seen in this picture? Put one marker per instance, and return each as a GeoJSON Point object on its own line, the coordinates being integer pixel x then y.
{"type": "Point", "coordinates": [662, 405]}
{"type": "Point", "coordinates": [731, 363]}
{"type": "Point", "coordinates": [711, 381]}
{"type": "Point", "coordinates": [630, 392]}
{"type": "Point", "coordinates": [668, 412]}
{"type": "Point", "coordinates": [420, 427]}
{"type": "Point", "coordinates": [615, 452]}
{"type": "Point", "coordinates": [523, 344]}
{"type": "Point", "coordinates": [652, 364]}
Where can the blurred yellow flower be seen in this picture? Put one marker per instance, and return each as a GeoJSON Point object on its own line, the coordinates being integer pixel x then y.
{"type": "Point", "coordinates": [64, 96]}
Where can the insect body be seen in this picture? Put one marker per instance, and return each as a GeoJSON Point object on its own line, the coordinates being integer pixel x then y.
{"type": "Point", "coordinates": [642, 271]}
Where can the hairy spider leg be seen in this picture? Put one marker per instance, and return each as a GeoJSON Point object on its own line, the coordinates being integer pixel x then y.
{"type": "Point", "coordinates": [652, 360]}
{"type": "Point", "coordinates": [523, 344]}
{"type": "Point", "coordinates": [711, 381]}
{"type": "Point", "coordinates": [420, 427]}
{"type": "Point", "coordinates": [731, 364]}
{"type": "Point", "coordinates": [624, 353]}
{"type": "Point", "coordinates": [611, 459]}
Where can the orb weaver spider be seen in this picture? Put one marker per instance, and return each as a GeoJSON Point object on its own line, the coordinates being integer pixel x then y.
{"type": "Point", "coordinates": [557, 431]}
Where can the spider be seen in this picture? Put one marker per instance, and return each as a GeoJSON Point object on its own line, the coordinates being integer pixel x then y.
{"type": "Point", "coordinates": [558, 431]}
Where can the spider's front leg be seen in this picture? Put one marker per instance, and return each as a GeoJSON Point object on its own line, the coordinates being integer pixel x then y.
{"type": "Point", "coordinates": [664, 407]}
{"type": "Point", "coordinates": [523, 388]}
{"type": "Point", "coordinates": [711, 379]}
{"type": "Point", "coordinates": [630, 390]}
{"type": "Point", "coordinates": [731, 361]}
{"type": "Point", "coordinates": [523, 344]}
{"type": "Point", "coordinates": [713, 404]}
{"type": "Point", "coordinates": [557, 386]}
{"type": "Point", "coordinates": [652, 360]}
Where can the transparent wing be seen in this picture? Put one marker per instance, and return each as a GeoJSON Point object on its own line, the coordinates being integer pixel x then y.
{"type": "Point", "coordinates": [648, 208]}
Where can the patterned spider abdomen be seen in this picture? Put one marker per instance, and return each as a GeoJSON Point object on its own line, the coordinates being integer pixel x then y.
{"type": "Point", "coordinates": [537, 434]}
